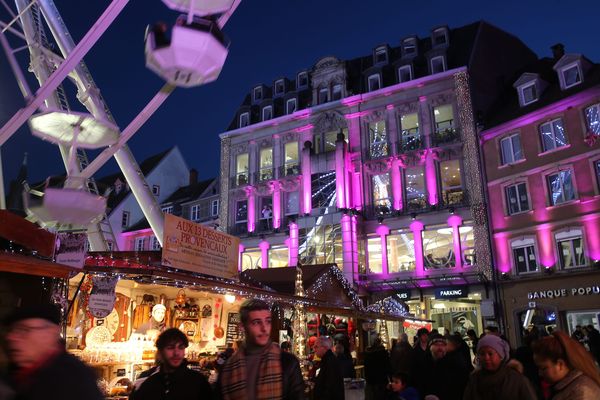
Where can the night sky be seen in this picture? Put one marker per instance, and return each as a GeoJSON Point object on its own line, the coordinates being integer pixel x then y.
{"type": "Point", "coordinates": [269, 39]}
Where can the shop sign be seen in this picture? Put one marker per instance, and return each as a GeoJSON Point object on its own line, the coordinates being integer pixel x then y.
{"type": "Point", "coordinates": [70, 249]}
{"type": "Point", "coordinates": [453, 292]}
{"type": "Point", "coordinates": [403, 295]}
{"type": "Point", "coordinates": [196, 248]}
{"type": "Point", "coordinates": [102, 297]}
{"type": "Point", "coordinates": [556, 293]}
{"type": "Point", "coordinates": [233, 327]}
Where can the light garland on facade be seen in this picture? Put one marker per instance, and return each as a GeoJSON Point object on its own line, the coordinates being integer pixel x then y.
{"type": "Point", "coordinates": [299, 324]}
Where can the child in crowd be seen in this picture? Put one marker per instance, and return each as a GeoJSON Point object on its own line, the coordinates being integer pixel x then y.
{"type": "Point", "coordinates": [398, 389]}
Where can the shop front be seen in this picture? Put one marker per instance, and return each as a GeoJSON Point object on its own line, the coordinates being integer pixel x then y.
{"type": "Point", "coordinates": [560, 301]}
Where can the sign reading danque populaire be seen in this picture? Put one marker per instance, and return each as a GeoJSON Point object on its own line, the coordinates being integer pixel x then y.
{"type": "Point", "coordinates": [553, 293]}
{"type": "Point", "coordinates": [194, 247]}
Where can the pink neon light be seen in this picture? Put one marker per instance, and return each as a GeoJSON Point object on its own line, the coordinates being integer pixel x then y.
{"type": "Point", "coordinates": [546, 250]}
{"type": "Point", "coordinates": [455, 221]}
{"type": "Point", "coordinates": [241, 249]}
{"type": "Point", "coordinates": [348, 178]}
{"type": "Point", "coordinates": [251, 209]}
{"type": "Point", "coordinates": [417, 227]}
{"type": "Point", "coordinates": [304, 128]}
{"type": "Point", "coordinates": [383, 231]}
{"type": "Point", "coordinates": [352, 101]}
{"type": "Point", "coordinates": [357, 191]}
{"type": "Point", "coordinates": [293, 245]}
{"type": "Point", "coordinates": [306, 181]}
{"type": "Point", "coordinates": [263, 245]}
{"type": "Point", "coordinates": [592, 230]}
{"type": "Point", "coordinates": [503, 262]}
{"type": "Point", "coordinates": [302, 114]}
{"type": "Point", "coordinates": [276, 205]}
{"type": "Point", "coordinates": [140, 232]}
{"type": "Point", "coordinates": [396, 185]}
{"type": "Point", "coordinates": [340, 172]}
{"type": "Point", "coordinates": [431, 178]}
{"type": "Point", "coordinates": [422, 99]}
{"type": "Point", "coordinates": [356, 115]}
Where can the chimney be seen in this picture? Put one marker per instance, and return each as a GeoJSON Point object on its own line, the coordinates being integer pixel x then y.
{"type": "Point", "coordinates": [558, 50]}
{"type": "Point", "coordinates": [193, 176]}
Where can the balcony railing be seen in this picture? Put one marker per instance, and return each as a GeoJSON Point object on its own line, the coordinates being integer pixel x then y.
{"type": "Point", "coordinates": [379, 149]}
{"type": "Point", "coordinates": [410, 140]}
{"type": "Point", "coordinates": [240, 179]}
{"type": "Point", "coordinates": [445, 134]}
{"type": "Point", "coordinates": [265, 174]}
{"type": "Point", "coordinates": [290, 169]}
{"type": "Point", "coordinates": [454, 197]}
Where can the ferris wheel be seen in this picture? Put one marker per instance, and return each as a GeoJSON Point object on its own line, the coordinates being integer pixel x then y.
{"type": "Point", "coordinates": [190, 53]}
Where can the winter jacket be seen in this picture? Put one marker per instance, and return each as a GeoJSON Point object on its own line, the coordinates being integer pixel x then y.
{"type": "Point", "coordinates": [63, 377]}
{"type": "Point", "coordinates": [445, 378]}
{"type": "Point", "coordinates": [329, 383]}
{"type": "Point", "coordinates": [575, 386]}
{"type": "Point", "coordinates": [377, 366]}
{"type": "Point", "coordinates": [506, 383]}
{"type": "Point", "coordinates": [181, 384]}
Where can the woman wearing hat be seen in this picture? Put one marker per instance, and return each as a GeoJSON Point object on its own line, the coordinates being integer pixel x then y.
{"type": "Point", "coordinates": [496, 380]}
{"type": "Point", "coordinates": [568, 367]}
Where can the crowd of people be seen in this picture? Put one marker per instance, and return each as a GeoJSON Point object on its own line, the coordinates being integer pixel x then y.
{"type": "Point", "coordinates": [437, 367]}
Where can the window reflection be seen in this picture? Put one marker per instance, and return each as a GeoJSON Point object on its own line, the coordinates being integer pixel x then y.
{"type": "Point", "coordinates": [278, 257]}
{"type": "Point", "coordinates": [401, 251]}
{"type": "Point", "coordinates": [374, 252]}
{"type": "Point", "coordinates": [438, 250]}
{"type": "Point", "coordinates": [382, 193]}
{"type": "Point", "coordinates": [251, 259]}
{"type": "Point", "coordinates": [414, 182]}
{"type": "Point", "coordinates": [378, 139]}
{"type": "Point", "coordinates": [452, 191]}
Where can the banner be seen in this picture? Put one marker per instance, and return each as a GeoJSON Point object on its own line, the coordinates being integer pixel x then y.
{"type": "Point", "coordinates": [70, 249]}
{"type": "Point", "coordinates": [102, 297]}
{"type": "Point", "coordinates": [196, 248]}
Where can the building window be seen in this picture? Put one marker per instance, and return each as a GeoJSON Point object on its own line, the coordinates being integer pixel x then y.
{"type": "Point", "coordinates": [438, 64]}
{"type": "Point", "coordinates": [374, 82]}
{"type": "Point", "coordinates": [411, 138]}
{"type": "Point", "coordinates": [445, 132]}
{"type": "Point", "coordinates": [278, 256]}
{"type": "Point", "coordinates": [329, 139]}
{"type": "Point", "coordinates": [510, 148]}
{"type": "Point", "coordinates": [597, 169]}
{"type": "Point", "coordinates": [167, 210]}
{"type": "Point", "coordinates": [266, 213]}
{"type": "Point", "coordinates": [258, 93]}
{"type": "Point", "coordinates": [382, 194]}
{"type": "Point", "coordinates": [553, 135]}
{"type": "Point", "coordinates": [560, 187]}
{"type": "Point", "coordinates": [571, 75]}
{"type": "Point", "coordinates": [266, 164]}
{"type": "Point", "coordinates": [439, 37]}
{"type": "Point", "coordinates": [467, 243]}
{"type": "Point", "coordinates": [592, 115]}
{"type": "Point", "coordinates": [279, 88]}
{"type": "Point", "coordinates": [302, 79]}
{"type": "Point", "coordinates": [156, 190]}
{"type": "Point", "coordinates": [401, 251]}
{"type": "Point", "coordinates": [267, 113]}
{"type": "Point", "coordinates": [291, 164]}
{"type": "Point", "coordinates": [203, 213]}
{"type": "Point", "coordinates": [381, 55]}
{"type": "Point", "coordinates": [139, 243]}
{"type": "Point", "coordinates": [241, 211]}
{"type": "Point", "coordinates": [414, 182]}
{"type": "Point", "coordinates": [528, 94]}
{"type": "Point", "coordinates": [378, 141]}
{"type": "Point", "coordinates": [570, 248]}
{"type": "Point", "coordinates": [251, 259]}
{"type": "Point", "coordinates": [405, 73]}
{"type": "Point", "coordinates": [195, 212]}
{"type": "Point", "coordinates": [290, 106]}
{"type": "Point", "coordinates": [451, 180]}
{"type": "Point", "coordinates": [125, 219]}
{"type": "Point", "coordinates": [409, 46]}
{"type": "Point", "coordinates": [244, 119]}
{"type": "Point", "coordinates": [291, 203]}
{"type": "Point", "coordinates": [155, 243]}
{"type": "Point", "coordinates": [323, 95]}
{"type": "Point", "coordinates": [336, 92]}
{"type": "Point", "coordinates": [214, 208]}
{"type": "Point", "coordinates": [524, 256]}
{"type": "Point", "coordinates": [375, 255]}
{"type": "Point", "coordinates": [516, 198]}
{"type": "Point", "coordinates": [242, 169]}
{"type": "Point", "coordinates": [438, 249]}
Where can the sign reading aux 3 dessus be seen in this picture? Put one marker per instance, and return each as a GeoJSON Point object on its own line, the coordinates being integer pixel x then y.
{"type": "Point", "coordinates": [554, 293]}
{"type": "Point", "coordinates": [453, 292]}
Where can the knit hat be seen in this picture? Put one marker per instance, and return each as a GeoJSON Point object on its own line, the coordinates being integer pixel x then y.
{"type": "Point", "coordinates": [495, 342]}
{"type": "Point", "coordinates": [436, 338]}
{"type": "Point", "coordinates": [46, 311]}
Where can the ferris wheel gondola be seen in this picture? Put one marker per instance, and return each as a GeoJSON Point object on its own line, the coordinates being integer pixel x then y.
{"type": "Point", "coordinates": [200, 7]}
{"type": "Point", "coordinates": [193, 55]}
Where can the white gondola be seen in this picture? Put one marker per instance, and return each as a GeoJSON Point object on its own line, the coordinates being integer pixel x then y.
{"type": "Point", "coordinates": [73, 129]}
{"type": "Point", "coordinates": [194, 56]}
{"type": "Point", "coordinates": [200, 7]}
{"type": "Point", "coordinates": [57, 207]}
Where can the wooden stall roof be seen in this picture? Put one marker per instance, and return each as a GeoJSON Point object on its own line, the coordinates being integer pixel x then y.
{"type": "Point", "coordinates": [23, 264]}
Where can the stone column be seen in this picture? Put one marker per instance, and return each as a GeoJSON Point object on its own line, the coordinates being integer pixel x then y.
{"type": "Point", "coordinates": [277, 157]}
{"type": "Point", "coordinates": [306, 179]}
{"type": "Point", "coordinates": [276, 186]}
{"type": "Point", "coordinates": [417, 227]}
{"type": "Point", "coordinates": [263, 245]}
{"type": "Point", "coordinates": [383, 231]}
{"type": "Point", "coordinates": [428, 159]}
{"type": "Point", "coordinates": [252, 162]}
{"type": "Point", "coordinates": [293, 245]}
{"type": "Point", "coordinates": [455, 221]}
{"type": "Point", "coordinates": [340, 171]}
{"type": "Point", "coordinates": [241, 249]}
{"type": "Point", "coordinates": [392, 129]}
{"type": "Point", "coordinates": [425, 123]}
{"type": "Point", "coordinates": [396, 176]}
{"type": "Point", "coordinates": [251, 196]}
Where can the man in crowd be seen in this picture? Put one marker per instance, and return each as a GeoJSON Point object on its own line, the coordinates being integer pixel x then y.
{"type": "Point", "coordinates": [259, 369]}
{"type": "Point", "coordinates": [329, 383]}
{"type": "Point", "coordinates": [419, 357]}
{"type": "Point", "coordinates": [172, 379]}
{"type": "Point", "coordinates": [446, 374]}
{"type": "Point", "coordinates": [377, 370]}
{"type": "Point", "coordinates": [41, 368]}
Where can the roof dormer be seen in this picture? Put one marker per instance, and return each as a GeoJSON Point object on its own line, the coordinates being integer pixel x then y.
{"type": "Point", "coordinates": [259, 93]}
{"type": "Point", "coordinates": [571, 69]}
{"type": "Point", "coordinates": [410, 47]}
{"type": "Point", "coordinates": [381, 55]}
{"type": "Point", "coordinates": [280, 87]}
{"type": "Point", "coordinates": [440, 37]}
{"type": "Point", "coordinates": [529, 88]}
{"type": "Point", "coordinates": [302, 80]}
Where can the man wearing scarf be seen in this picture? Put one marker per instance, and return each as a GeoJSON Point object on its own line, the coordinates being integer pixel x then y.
{"type": "Point", "coordinates": [259, 369]}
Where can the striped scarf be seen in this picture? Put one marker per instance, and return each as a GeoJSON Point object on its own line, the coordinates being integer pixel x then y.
{"type": "Point", "coordinates": [269, 385]}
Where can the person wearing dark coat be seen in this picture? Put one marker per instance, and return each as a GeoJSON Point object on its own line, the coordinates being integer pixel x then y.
{"type": "Point", "coordinates": [377, 370]}
{"type": "Point", "coordinates": [40, 366]}
{"type": "Point", "coordinates": [401, 356]}
{"type": "Point", "coordinates": [446, 374]}
{"type": "Point", "coordinates": [419, 360]}
{"type": "Point", "coordinates": [329, 383]}
{"type": "Point", "coordinates": [172, 380]}
{"type": "Point", "coordinates": [345, 360]}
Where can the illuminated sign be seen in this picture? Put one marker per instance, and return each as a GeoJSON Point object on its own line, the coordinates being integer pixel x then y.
{"type": "Point", "coordinates": [454, 292]}
{"type": "Point", "coordinates": [555, 293]}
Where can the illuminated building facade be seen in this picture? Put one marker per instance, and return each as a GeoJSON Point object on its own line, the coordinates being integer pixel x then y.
{"type": "Point", "coordinates": [542, 160]}
{"type": "Point", "coordinates": [373, 164]}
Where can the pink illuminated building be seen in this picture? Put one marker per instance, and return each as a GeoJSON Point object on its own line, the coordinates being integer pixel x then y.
{"type": "Point", "coordinates": [542, 160]}
{"type": "Point", "coordinates": [373, 164]}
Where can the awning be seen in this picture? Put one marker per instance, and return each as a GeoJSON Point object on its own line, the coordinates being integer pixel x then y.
{"type": "Point", "coordinates": [30, 265]}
